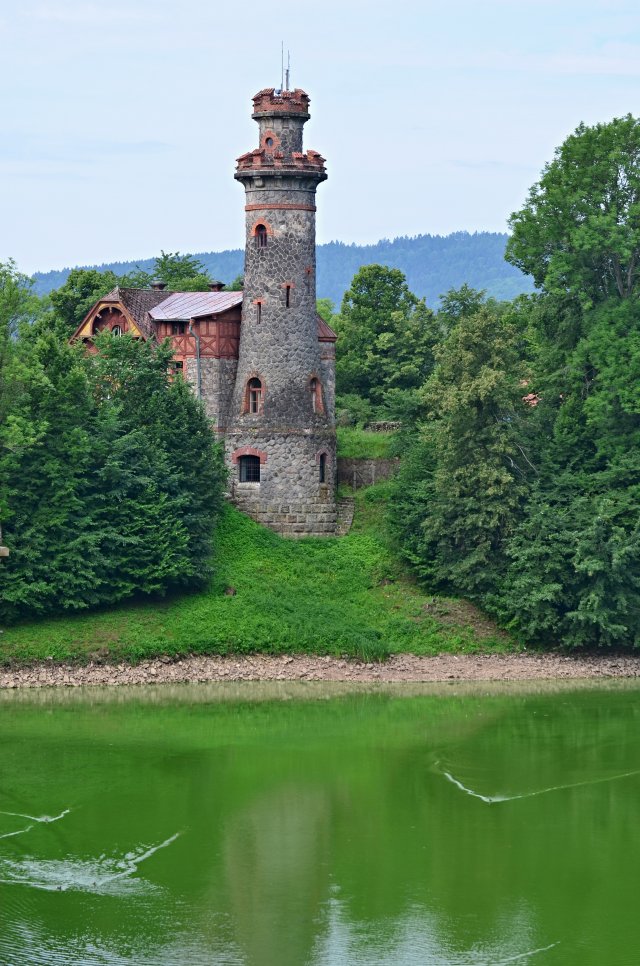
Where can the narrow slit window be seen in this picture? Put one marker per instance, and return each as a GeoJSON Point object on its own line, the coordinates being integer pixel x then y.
{"type": "Point", "coordinates": [258, 312]}
{"type": "Point", "coordinates": [315, 390]}
{"type": "Point", "coordinates": [255, 396]}
{"type": "Point", "coordinates": [287, 296]}
{"type": "Point", "coordinates": [322, 467]}
{"type": "Point", "coordinates": [249, 469]}
{"type": "Point", "coordinates": [261, 236]}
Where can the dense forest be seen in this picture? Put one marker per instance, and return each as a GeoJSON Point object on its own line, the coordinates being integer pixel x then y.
{"type": "Point", "coordinates": [432, 265]}
{"type": "Point", "coordinates": [520, 479]}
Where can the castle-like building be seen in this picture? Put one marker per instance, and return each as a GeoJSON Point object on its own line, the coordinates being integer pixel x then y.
{"type": "Point", "coordinates": [262, 360]}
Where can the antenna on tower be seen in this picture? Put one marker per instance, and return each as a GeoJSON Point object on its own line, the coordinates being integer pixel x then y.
{"type": "Point", "coordinates": [284, 71]}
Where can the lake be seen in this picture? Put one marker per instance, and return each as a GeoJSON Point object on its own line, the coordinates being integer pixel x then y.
{"type": "Point", "coordinates": [309, 824]}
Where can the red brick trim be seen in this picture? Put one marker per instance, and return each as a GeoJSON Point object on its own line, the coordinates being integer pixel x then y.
{"type": "Point", "coordinates": [248, 451]}
{"type": "Point", "coordinates": [283, 207]}
{"type": "Point", "coordinates": [288, 283]}
{"type": "Point", "coordinates": [261, 221]}
{"type": "Point", "coordinates": [274, 137]}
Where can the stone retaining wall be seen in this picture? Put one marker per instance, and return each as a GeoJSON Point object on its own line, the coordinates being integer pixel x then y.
{"type": "Point", "coordinates": [363, 472]}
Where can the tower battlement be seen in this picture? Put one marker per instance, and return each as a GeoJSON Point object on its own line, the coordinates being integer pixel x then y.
{"type": "Point", "coordinates": [272, 101]}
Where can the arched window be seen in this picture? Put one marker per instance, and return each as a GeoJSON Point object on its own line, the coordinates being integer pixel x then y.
{"type": "Point", "coordinates": [315, 388]}
{"type": "Point", "coordinates": [322, 467]}
{"type": "Point", "coordinates": [249, 469]}
{"type": "Point", "coordinates": [261, 236]}
{"type": "Point", "coordinates": [254, 396]}
{"type": "Point", "coordinates": [116, 330]}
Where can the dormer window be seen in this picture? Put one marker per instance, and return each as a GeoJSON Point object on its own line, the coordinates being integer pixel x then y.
{"type": "Point", "coordinates": [261, 236]}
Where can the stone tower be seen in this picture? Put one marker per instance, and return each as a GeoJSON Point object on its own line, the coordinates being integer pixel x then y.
{"type": "Point", "coordinates": [280, 434]}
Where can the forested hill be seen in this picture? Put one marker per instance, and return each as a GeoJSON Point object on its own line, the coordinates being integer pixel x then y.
{"type": "Point", "coordinates": [432, 264]}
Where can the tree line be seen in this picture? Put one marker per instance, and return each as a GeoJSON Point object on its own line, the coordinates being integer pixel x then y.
{"type": "Point", "coordinates": [432, 264]}
{"type": "Point", "coordinates": [520, 479]}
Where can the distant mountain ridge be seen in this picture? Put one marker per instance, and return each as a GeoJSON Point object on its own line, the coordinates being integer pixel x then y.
{"type": "Point", "coordinates": [433, 264]}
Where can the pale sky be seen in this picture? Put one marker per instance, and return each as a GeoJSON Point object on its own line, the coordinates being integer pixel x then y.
{"type": "Point", "coordinates": [121, 121]}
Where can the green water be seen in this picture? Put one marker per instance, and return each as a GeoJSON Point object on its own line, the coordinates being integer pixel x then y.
{"type": "Point", "coordinates": [206, 826]}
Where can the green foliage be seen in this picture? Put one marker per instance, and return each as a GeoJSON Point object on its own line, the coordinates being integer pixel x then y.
{"type": "Point", "coordinates": [325, 309]}
{"type": "Point", "coordinates": [579, 232]}
{"type": "Point", "coordinates": [83, 287]}
{"type": "Point", "coordinates": [353, 410]}
{"type": "Point", "coordinates": [386, 336]}
{"type": "Point", "coordinates": [357, 443]}
{"type": "Point", "coordinates": [110, 482]}
{"type": "Point", "coordinates": [180, 273]}
{"type": "Point", "coordinates": [236, 285]}
{"type": "Point", "coordinates": [460, 492]}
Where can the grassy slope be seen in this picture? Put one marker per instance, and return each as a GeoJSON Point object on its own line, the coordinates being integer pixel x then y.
{"type": "Point", "coordinates": [334, 596]}
{"type": "Point", "coordinates": [356, 443]}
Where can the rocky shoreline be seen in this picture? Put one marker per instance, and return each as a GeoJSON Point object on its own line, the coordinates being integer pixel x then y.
{"type": "Point", "coordinates": [399, 668]}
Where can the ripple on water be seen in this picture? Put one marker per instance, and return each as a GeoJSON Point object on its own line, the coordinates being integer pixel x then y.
{"type": "Point", "coordinates": [104, 875]}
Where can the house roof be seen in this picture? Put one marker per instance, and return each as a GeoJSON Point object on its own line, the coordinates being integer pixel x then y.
{"type": "Point", "coordinates": [325, 332]}
{"type": "Point", "coordinates": [138, 302]}
{"type": "Point", "coordinates": [146, 306]}
{"type": "Point", "coordinates": [182, 306]}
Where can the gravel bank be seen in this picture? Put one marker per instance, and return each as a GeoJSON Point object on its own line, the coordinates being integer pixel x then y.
{"type": "Point", "coordinates": [400, 667]}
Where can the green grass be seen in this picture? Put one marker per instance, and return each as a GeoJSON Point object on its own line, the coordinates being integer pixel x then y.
{"type": "Point", "coordinates": [348, 596]}
{"type": "Point", "coordinates": [356, 443]}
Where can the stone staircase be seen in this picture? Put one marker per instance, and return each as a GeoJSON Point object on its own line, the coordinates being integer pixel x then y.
{"type": "Point", "coordinates": [345, 509]}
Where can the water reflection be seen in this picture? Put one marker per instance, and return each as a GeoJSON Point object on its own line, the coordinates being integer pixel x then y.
{"type": "Point", "coordinates": [454, 827]}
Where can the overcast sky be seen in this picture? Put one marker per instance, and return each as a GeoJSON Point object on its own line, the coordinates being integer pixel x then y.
{"type": "Point", "coordinates": [121, 121]}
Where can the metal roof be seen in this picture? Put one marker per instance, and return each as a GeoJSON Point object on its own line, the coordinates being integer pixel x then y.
{"type": "Point", "coordinates": [182, 306]}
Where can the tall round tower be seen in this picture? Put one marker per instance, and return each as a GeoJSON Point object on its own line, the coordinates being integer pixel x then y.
{"type": "Point", "coordinates": [280, 435]}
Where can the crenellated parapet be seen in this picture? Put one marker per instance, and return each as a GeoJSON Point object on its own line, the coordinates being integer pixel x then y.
{"type": "Point", "coordinates": [296, 161]}
{"type": "Point", "coordinates": [272, 101]}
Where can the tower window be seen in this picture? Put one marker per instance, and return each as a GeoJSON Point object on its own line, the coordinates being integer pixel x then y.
{"type": "Point", "coordinates": [254, 387]}
{"type": "Point", "coordinates": [315, 389]}
{"type": "Point", "coordinates": [287, 296]}
{"type": "Point", "coordinates": [258, 312]}
{"type": "Point", "coordinates": [322, 467]}
{"type": "Point", "coordinates": [261, 236]}
{"type": "Point", "coordinates": [249, 469]}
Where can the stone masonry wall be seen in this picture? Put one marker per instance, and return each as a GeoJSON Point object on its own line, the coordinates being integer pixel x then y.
{"type": "Point", "coordinates": [217, 379]}
{"type": "Point", "coordinates": [279, 340]}
{"type": "Point", "coordinates": [363, 472]}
